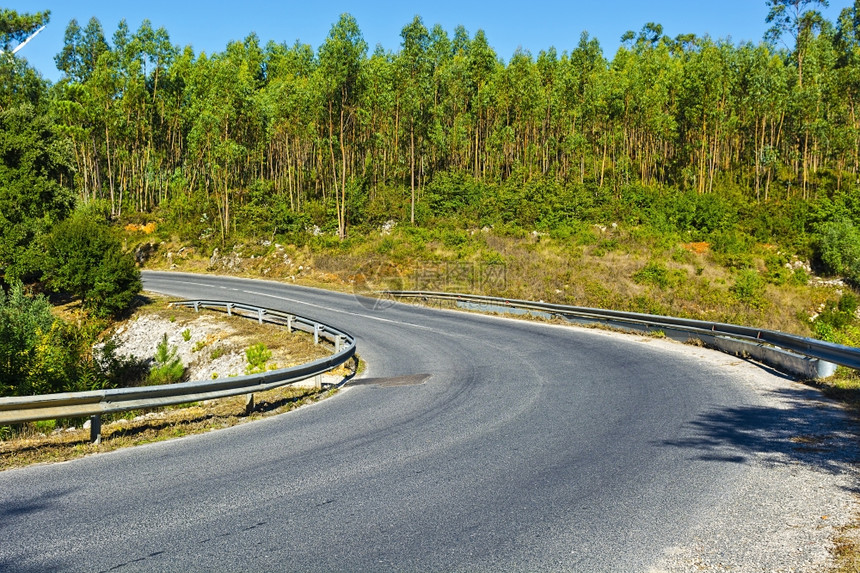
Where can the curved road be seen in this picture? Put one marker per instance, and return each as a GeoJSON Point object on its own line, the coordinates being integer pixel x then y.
{"type": "Point", "coordinates": [529, 447]}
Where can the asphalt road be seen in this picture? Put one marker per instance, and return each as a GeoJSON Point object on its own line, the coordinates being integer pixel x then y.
{"type": "Point", "coordinates": [530, 447]}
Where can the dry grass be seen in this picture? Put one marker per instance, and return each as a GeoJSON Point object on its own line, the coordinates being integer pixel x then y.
{"type": "Point", "coordinates": [597, 274]}
{"type": "Point", "coordinates": [847, 548]}
{"type": "Point", "coordinates": [136, 428]}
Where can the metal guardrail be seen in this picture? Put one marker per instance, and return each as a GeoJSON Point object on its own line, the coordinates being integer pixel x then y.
{"type": "Point", "coordinates": [825, 351]}
{"type": "Point", "coordinates": [95, 403]}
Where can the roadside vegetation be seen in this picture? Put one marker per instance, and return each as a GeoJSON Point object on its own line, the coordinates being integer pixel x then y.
{"type": "Point", "coordinates": [213, 334]}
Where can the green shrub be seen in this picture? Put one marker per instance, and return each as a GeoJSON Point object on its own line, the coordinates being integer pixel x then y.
{"type": "Point", "coordinates": [838, 249]}
{"type": "Point", "coordinates": [732, 249]}
{"type": "Point", "coordinates": [799, 277]}
{"type": "Point", "coordinates": [45, 426]}
{"type": "Point", "coordinates": [257, 355]}
{"type": "Point", "coordinates": [655, 273]}
{"type": "Point", "coordinates": [749, 288]}
{"type": "Point", "coordinates": [454, 237]}
{"type": "Point", "coordinates": [23, 322]}
{"type": "Point", "coordinates": [836, 318]}
{"type": "Point", "coordinates": [605, 246]}
{"type": "Point", "coordinates": [41, 354]}
{"type": "Point", "coordinates": [168, 366]}
{"type": "Point", "coordinates": [85, 258]}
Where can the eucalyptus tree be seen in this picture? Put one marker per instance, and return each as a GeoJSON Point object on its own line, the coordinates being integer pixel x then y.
{"type": "Point", "coordinates": [379, 102]}
{"type": "Point", "coordinates": [847, 45]}
{"type": "Point", "coordinates": [290, 101]}
{"type": "Point", "coordinates": [584, 99]}
{"type": "Point", "coordinates": [798, 19]}
{"type": "Point", "coordinates": [339, 77]}
{"type": "Point", "coordinates": [519, 86]}
{"type": "Point", "coordinates": [456, 109]}
{"type": "Point", "coordinates": [414, 79]}
{"type": "Point", "coordinates": [813, 110]}
{"type": "Point", "coordinates": [547, 69]}
{"type": "Point", "coordinates": [652, 87]}
{"type": "Point", "coordinates": [764, 86]}
{"type": "Point", "coordinates": [81, 50]}
{"type": "Point", "coordinates": [226, 125]}
{"type": "Point", "coordinates": [441, 53]}
{"type": "Point", "coordinates": [482, 65]}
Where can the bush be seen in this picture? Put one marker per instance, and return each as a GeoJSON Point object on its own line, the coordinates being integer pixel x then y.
{"type": "Point", "coordinates": [23, 321]}
{"type": "Point", "coordinates": [732, 249]}
{"type": "Point", "coordinates": [257, 355]}
{"type": "Point", "coordinates": [657, 274]}
{"type": "Point", "coordinates": [85, 258]}
{"type": "Point", "coordinates": [35, 191]}
{"type": "Point", "coordinates": [41, 354]}
{"type": "Point", "coordinates": [838, 249]}
{"type": "Point", "coordinates": [168, 366]}
{"type": "Point", "coordinates": [835, 318]}
{"type": "Point", "coordinates": [653, 273]}
{"type": "Point", "coordinates": [749, 288]}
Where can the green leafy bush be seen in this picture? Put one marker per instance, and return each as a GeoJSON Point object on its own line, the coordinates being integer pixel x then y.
{"type": "Point", "coordinates": [85, 258]}
{"type": "Point", "coordinates": [838, 249]}
{"type": "Point", "coordinates": [41, 354]}
{"type": "Point", "coordinates": [732, 249]}
{"type": "Point", "coordinates": [23, 322]}
{"type": "Point", "coordinates": [35, 193]}
{"type": "Point", "coordinates": [836, 318]}
{"type": "Point", "coordinates": [653, 273]}
{"type": "Point", "coordinates": [749, 288]}
{"type": "Point", "coordinates": [656, 273]}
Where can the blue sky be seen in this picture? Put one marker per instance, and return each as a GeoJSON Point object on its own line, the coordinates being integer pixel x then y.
{"type": "Point", "coordinates": [533, 25]}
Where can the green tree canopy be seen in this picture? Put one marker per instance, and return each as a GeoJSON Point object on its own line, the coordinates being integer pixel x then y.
{"type": "Point", "coordinates": [35, 181]}
{"type": "Point", "coordinates": [15, 27]}
{"type": "Point", "coordinates": [84, 257]}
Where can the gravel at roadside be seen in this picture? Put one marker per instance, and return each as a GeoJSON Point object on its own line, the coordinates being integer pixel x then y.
{"type": "Point", "coordinates": [800, 490]}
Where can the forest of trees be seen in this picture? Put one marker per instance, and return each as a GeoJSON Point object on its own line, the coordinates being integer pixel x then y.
{"type": "Point", "coordinates": [284, 136]}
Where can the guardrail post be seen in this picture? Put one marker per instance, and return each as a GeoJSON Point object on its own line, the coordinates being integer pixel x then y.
{"type": "Point", "coordinates": [95, 429]}
{"type": "Point", "coordinates": [338, 343]}
{"type": "Point", "coordinates": [290, 319]}
{"type": "Point", "coordinates": [196, 306]}
{"type": "Point", "coordinates": [229, 309]}
{"type": "Point", "coordinates": [260, 313]}
{"type": "Point", "coordinates": [249, 403]}
{"type": "Point", "coordinates": [317, 329]}
{"type": "Point", "coordinates": [318, 382]}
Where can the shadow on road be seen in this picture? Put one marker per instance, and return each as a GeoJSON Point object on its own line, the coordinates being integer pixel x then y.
{"type": "Point", "coordinates": [804, 428]}
{"type": "Point", "coordinates": [17, 509]}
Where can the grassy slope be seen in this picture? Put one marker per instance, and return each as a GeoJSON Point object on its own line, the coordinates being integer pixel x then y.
{"type": "Point", "coordinates": [616, 268]}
